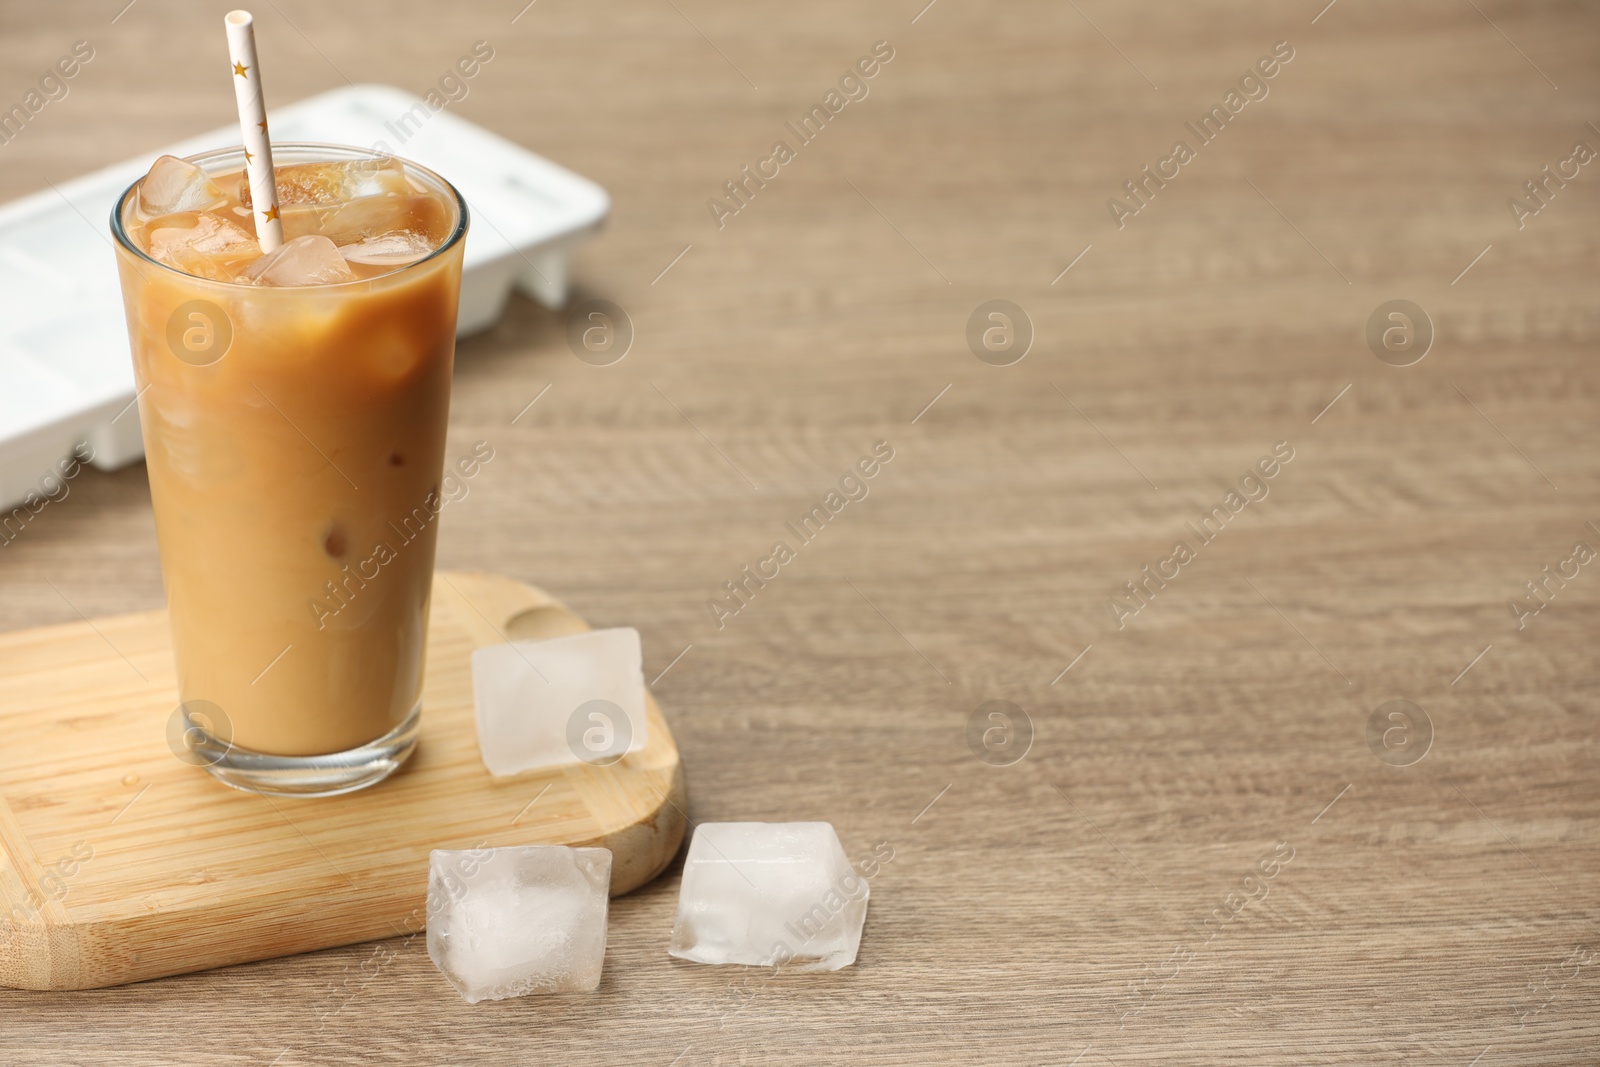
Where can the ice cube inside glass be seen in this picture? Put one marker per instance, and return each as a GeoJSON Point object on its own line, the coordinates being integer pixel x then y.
{"type": "Point", "coordinates": [769, 894]}
{"type": "Point", "coordinates": [509, 922]}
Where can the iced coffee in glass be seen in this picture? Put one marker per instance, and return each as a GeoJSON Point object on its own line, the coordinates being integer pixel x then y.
{"type": "Point", "coordinates": [294, 408]}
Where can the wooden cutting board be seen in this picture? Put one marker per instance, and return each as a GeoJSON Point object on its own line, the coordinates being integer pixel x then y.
{"type": "Point", "coordinates": [119, 862]}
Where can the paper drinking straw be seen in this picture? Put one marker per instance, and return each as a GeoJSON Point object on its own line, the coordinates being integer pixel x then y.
{"type": "Point", "coordinates": [253, 125]}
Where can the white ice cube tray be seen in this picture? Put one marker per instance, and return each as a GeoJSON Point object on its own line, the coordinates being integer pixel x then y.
{"type": "Point", "coordinates": [66, 375]}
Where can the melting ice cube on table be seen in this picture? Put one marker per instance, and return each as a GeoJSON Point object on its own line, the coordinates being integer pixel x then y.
{"type": "Point", "coordinates": [507, 922]}
{"type": "Point", "coordinates": [765, 894]}
{"type": "Point", "coordinates": [578, 698]}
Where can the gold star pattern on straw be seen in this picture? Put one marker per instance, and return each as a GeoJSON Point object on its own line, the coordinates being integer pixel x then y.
{"type": "Point", "coordinates": [239, 69]}
{"type": "Point", "coordinates": [263, 125]}
{"type": "Point", "coordinates": [248, 158]}
{"type": "Point", "coordinates": [271, 214]}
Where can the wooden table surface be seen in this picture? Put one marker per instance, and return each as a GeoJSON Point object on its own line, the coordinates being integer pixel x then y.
{"type": "Point", "coordinates": [1200, 859]}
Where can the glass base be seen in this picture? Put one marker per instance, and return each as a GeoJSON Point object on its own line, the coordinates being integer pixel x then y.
{"type": "Point", "coordinates": [307, 776]}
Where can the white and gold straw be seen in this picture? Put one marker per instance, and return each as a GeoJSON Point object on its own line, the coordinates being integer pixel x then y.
{"type": "Point", "coordinates": [253, 125]}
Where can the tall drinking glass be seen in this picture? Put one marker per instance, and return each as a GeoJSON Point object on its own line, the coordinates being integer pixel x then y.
{"type": "Point", "coordinates": [294, 435]}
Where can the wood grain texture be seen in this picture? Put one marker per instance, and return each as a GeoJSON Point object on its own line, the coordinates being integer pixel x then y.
{"type": "Point", "coordinates": [1430, 915]}
{"type": "Point", "coordinates": [119, 863]}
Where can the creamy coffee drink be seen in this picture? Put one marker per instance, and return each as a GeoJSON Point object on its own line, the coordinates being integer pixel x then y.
{"type": "Point", "coordinates": [294, 407]}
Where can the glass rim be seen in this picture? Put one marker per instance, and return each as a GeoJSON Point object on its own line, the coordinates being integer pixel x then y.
{"type": "Point", "coordinates": [351, 151]}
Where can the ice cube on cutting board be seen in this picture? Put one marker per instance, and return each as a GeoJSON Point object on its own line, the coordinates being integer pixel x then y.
{"type": "Point", "coordinates": [507, 922]}
{"type": "Point", "coordinates": [769, 893]}
{"type": "Point", "coordinates": [578, 698]}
